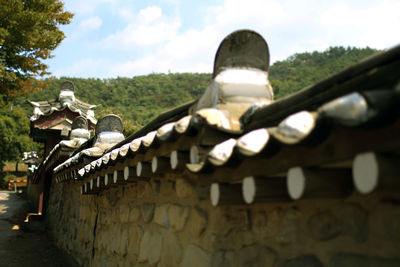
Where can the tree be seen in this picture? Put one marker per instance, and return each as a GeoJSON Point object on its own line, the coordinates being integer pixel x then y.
{"type": "Point", "coordinates": [304, 69]}
{"type": "Point", "coordinates": [14, 134]}
{"type": "Point", "coordinates": [28, 33]}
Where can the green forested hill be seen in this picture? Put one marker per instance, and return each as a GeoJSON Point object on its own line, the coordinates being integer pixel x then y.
{"type": "Point", "coordinates": [303, 69]}
{"type": "Point", "coordinates": [139, 99]}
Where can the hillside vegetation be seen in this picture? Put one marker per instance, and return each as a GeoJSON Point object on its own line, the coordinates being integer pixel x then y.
{"type": "Point", "coordinates": [304, 69]}
{"type": "Point", "coordinates": [139, 99]}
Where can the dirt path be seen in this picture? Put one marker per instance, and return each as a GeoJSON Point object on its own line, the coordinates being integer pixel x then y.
{"type": "Point", "coordinates": [22, 245]}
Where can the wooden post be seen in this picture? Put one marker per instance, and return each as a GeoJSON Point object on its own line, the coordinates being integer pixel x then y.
{"type": "Point", "coordinates": [318, 183]}
{"type": "Point", "coordinates": [88, 189]}
{"type": "Point", "coordinates": [198, 153]}
{"type": "Point", "coordinates": [143, 169]}
{"type": "Point", "coordinates": [118, 177]}
{"type": "Point", "coordinates": [108, 179]}
{"type": "Point", "coordinates": [93, 186]}
{"type": "Point", "coordinates": [373, 171]}
{"type": "Point", "coordinates": [130, 175]}
{"type": "Point", "coordinates": [179, 159]}
{"type": "Point", "coordinates": [40, 207]}
{"type": "Point", "coordinates": [85, 188]}
{"type": "Point", "coordinates": [264, 189]}
{"type": "Point", "coordinates": [100, 183]}
{"type": "Point", "coordinates": [225, 194]}
{"type": "Point", "coordinates": [160, 165]}
{"type": "Point", "coordinates": [194, 155]}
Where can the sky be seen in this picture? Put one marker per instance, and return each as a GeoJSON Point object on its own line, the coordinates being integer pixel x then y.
{"type": "Point", "coordinates": [126, 38]}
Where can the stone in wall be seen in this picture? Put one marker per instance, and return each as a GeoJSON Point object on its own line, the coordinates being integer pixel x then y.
{"type": "Point", "coordinates": [124, 213]}
{"type": "Point", "coordinates": [259, 221]}
{"type": "Point", "coordinates": [347, 219]}
{"type": "Point", "coordinates": [115, 218]}
{"type": "Point", "coordinates": [255, 255]}
{"type": "Point", "coordinates": [195, 256]}
{"type": "Point", "coordinates": [105, 216]}
{"type": "Point", "coordinates": [161, 215]}
{"type": "Point", "coordinates": [166, 188]}
{"type": "Point", "coordinates": [283, 224]}
{"type": "Point", "coordinates": [150, 247]}
{"type": "Point", "coordinates": [83, 233]}
{"type": "Point", "coordinates": [134, 214]}
{"type": "Point", "coordinates": [178, 216]}
{"type": "Point", "coordinates": [171, 252]}
{"type": "Point", "coordinates": [147, 210]}
{"type": "Point", "coordinates": [236, 220]}
{"type": "Point", "coordinates": [385, 221]}
{"type": "Point", "coordinates": [351, 260]}
{"type": "Point", "coordinates": [97, 239]}
{"type": "Point", "coordinates": [124, 239]}
{"type": "Point", "coordinates": [353, 221]}
{"type": "Point", "coordinates": [184, 189]}
{"type": "Point", "coordinates": [223, 258]}
{"type": "Point", "coordinates": [323, 226]}
{"type": "Point", "coordinates": [143, 190]}
{"type": "Point", "coordinates": [114, 238]}
{"type": "Point", "coordinates": [232, 228]}
{"type": "Point", "coordinates": [155, 186]}
{"type": "Point", "coordinates": [303, 261]}
{"type": "Point", "coordinates": [100, 258]}
{"type": "Point", "coordinates": [198, 221]}
{"type": "Point", "coordinates": [84, 212]}
{"type": "Point", "coordinates": [135, 234]}
{"type": "Point", "coordinates": [113, 196]}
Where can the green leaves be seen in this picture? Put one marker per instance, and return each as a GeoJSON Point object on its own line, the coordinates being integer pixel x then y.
{"type": "Point", "coordinates": [304, 69]}
{"type": "Point", "coordinates": [14, 133]}
{"type": "Point", "coordinates": [28, 33]}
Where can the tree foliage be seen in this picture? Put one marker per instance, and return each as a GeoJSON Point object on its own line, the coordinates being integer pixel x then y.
{"type": "Point", "coordinates": [28, 33]}
{"type": "Point", "coordinates": [14, 134]}
{"type": "Point", "coordinates": [304, 69]}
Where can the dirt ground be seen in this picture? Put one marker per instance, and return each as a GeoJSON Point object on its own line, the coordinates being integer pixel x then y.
{"type": "Point", "coordinates": [26, 244]}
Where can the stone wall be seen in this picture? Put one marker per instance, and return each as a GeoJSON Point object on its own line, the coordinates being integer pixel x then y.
{"type": "Point", "coordinates": [171, 222]}
{"type": "Point", "coordinates": [33, 192]}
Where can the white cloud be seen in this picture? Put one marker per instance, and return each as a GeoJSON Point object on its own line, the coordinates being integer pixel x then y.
{"type": "Point", "coordinates": [126, 13]}
{"type": "Point", "coordinates": [161, 43]}
{"type": "Point", "coordinates": [292, 26]}
{"type": "Point", "coordinates": [149, 14]}
{"type": "Point", "coordinates": [92, 23]}
{"type": "Point", "coordinates": [373, 25]}
{"type": "Point", "coordinates": [149, 27]}
{"type": "Point", "coordinates": [87, 7]}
